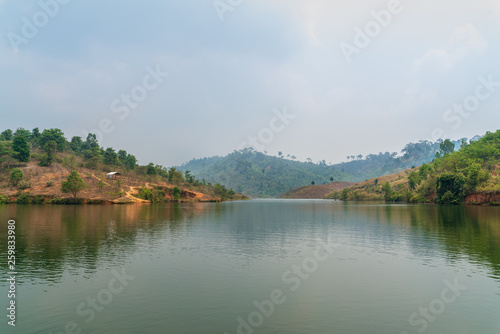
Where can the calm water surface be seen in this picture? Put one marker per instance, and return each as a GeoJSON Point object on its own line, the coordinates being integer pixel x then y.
{"type": "Point", "coordinates": [263, 266]}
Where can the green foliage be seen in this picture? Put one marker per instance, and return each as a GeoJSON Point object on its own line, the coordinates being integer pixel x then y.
{"type": "Point", "coordinates": [156, 195]}
{"type": "Point", "coordinates": [37, 199]}
{"type": "Point", "coordinates": [189, 178]}
{"type": "Point", "coordinates": [446, 147]}
{"type": "Point", "coordinates": [7, 134]}
{"type": "Point", "coordinates": [21, 147]}
{"type": "Point", "coordinates": [413, 180]}
{"type": "Point", "coordinates": [23, 198]}
{"type": "Point", "coordinates": [4, 200]}
{"type": "Point", "coordinates": [176, 193]}
{"type": "Point", "coordinates": [450, 188]}
{"type": "Point", "coordinates": [130, 162]}
{"type": "Point", "coordinates": [345, 194]}
{"type": "Point", "coordinates": [76, 144]}
{"type": "Point", "coordinates": [110, 157]}
{"type": "Point", "coordinates": [16, 175]}
{"type": "Point", "coordinates": [151, 170]}
{"type": "Point", "coordinates": [23, 184]}
{"type": "Point", "coordinates": [50, 148]}
{"type": "Point", "coordinates": [387, 191]}
{"type": "Point", "coordinates": [67, 201]}
{"type": "Point", "coordinates": [53, 135]}
{"type": "Point", "coordinates": [262, 175]}
{"type": "Point", "coordinates": [21, 132]}
{"type": "Point", "coordinates": [35, 137]}
{"type": "Point", "coordinates": [49, 183]}
{"type": "Point", "coordinates": [146, 194]}
{"type": "Point", "coordinates": [73, 184]}
{"type": "Point", "coordinates": [175, 175]}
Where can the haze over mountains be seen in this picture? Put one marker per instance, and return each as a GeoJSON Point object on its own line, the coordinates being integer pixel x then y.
{"type": "Point", "coordinates": [260, 175]}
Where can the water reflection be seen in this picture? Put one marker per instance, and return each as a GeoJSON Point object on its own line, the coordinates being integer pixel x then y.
{"type": "Point", "coordinates": [80, 239]}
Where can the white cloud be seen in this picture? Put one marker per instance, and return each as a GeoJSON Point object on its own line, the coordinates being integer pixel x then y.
{"type": "Point", "coordinates": [464, 41]}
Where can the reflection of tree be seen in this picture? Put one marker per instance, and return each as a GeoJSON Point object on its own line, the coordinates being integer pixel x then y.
{"type": "Point", "coordinates": [460, 230]}
{"type": "Point", "coordinates": [52, 239]}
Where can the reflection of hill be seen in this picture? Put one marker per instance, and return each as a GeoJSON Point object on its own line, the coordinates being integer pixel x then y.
{"type": "Point", "coordinates": [461, 231]}
{"type": "Point", "coordinates": [52, 239]}
{"type": "Point", "coordinates": [80, 239]}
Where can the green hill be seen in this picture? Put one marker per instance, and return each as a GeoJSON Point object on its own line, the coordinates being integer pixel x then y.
{"type": "Point", "coordinates": [257, 174]}
{"type": "Point", "coordinates": [35, 167]}
{"type": "Point", "coordinates": [470, 175]}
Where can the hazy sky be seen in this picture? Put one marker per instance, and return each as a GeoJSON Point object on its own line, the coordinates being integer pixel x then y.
{"type": "Point", "coordinates": [173, 80]}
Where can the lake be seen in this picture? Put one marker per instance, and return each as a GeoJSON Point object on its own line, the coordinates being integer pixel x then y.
{"type": "Point", "coordinates": [261, 266]}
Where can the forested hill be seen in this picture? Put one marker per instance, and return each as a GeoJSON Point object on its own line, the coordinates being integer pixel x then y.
{"type": "Point", "coordinates": [470, 175]}
{"type": "Point", "coordinates": [257, 174]}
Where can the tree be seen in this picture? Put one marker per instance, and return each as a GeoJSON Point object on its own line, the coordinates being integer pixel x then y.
{"type": "Point", "coordinates": [189, 178]}
{"type": "Point", "coordinates": [446, 147]}
{"type": "Point", "coordinates": [50, 148]}
{"type": "Point", "coordinates": [7, 134]}
{"type": "Point", "coordinates": [176, 193]}
{"type": "Point", "coordinates": [313, 183]}
{"type": "Point", "coordinates": [151, 170]}
{"type": "Point", "coordinates": [35, 137]}
{"type": "Point", "coordinates": [388, 191]}
{"type": "Point", "coordinates": [110, 157]}
{"type": "Point", "coordinates": [122, 156]}
{"type": "Point", "coordinates": [76, 144]}
{"type": "Point", "coordinates": [21, 148]}
{"type": "Point", "coordinates": [331, 179]}
{"type": "Point", "coordinates": [450, 188]}
{"type": "Point", "coordinates": [345, 194]}
{"type": "Point", "coordinates": [53, 134]}
{"type": "Point", "coordinates": [413, 179]}
{"type": "Point", "coordinates": [130, 162]}
{"type": "Point", "coordinates": [16, 175]}
{"type": "Point", "coordinates": [74, 184]}
{"type": "Point", "coordinates": [175, 175]}
{"type": "Point", "coordinates": [23, 133]}
{"type": "Point", "coordinates": [91, 142]}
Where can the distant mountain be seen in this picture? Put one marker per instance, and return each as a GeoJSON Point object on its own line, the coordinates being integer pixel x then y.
{"type": "Point", "coordinates": [260, 175]}
{"type": "Point", "coordinates": [257, 174]}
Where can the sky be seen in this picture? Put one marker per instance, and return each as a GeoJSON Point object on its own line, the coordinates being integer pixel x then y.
{"type": "Point", "coordinates": [169, 81]}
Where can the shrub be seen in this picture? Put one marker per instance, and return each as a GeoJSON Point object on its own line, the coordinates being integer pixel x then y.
{"type": "Point", "coordinates": [23, 198]}
{"type": "Point", "coordinates": [64, 201]}
{"type": "Point", "coordinates": [16, 175]}
{"type": "Point", "coordinates": [3, 200]}
{"type": "Point", "coordinates": [23, 184]}
{"type": "Point", "coordinates": [146, 194]}
{"type": "Point", "coordinates": [37, 199]}
{"type": "Point", "coordinates": [450, 188]}
{"type": "Point", "coordinates": [50, 183]}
